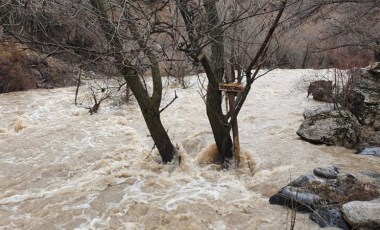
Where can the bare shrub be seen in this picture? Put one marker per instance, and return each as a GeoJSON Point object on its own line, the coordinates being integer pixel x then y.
{"type": "Point", "coordinates": [310, 76]}
{"type": "Point", "coordinates": [349, 189]}
{"type": "Point", "coordinates": [92, 90]}
{"type": "Point", "coordinates": [343, 82]}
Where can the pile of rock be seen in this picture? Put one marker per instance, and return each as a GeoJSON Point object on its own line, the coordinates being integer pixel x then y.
{"type": "Point", "coordinates": [356, 126]}
{"type": "Point", "coordinates": [334, 199]}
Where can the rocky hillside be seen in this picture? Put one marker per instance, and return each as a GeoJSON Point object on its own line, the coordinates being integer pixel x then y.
{"type": "Point", "coordinates": [23, 69]}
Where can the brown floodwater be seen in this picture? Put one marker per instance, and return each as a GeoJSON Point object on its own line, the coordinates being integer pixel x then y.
{"type": "Point", "coordinates": [61, 168]}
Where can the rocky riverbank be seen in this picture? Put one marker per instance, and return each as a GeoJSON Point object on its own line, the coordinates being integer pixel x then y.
{"type": "Point", "coordinates": [334, 198]}
{"type": "Point", "coordinates": [353, 121]}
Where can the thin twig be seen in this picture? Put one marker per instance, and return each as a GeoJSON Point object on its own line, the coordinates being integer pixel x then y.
{"type": "Point", "coordinates": [175, 98]}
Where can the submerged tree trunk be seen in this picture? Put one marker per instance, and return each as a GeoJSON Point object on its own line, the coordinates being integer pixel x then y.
{"type": "Point", "coordinates": [213, 66]}
{"type": "Point", "coordinates": [150, 113]}
{"type": "Point", "coordinates": [218, 121]}
{"type": "Point", "coordinates": [214, 69]}
{"type": "Point", "coordinates": [159, 135]}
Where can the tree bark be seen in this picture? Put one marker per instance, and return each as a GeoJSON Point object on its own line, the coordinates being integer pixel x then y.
{"type": "Point", "coordinates": [150, 113]}
{"type": "Point", "coordinates": [214, 70]}
{"type": "Point", "coordinates": [218, 121]}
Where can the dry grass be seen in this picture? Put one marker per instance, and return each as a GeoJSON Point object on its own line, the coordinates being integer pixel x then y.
{"type": "Point", "coordinates": [339, 192]}
{"type": "Point", "coordinates": [14, 72]}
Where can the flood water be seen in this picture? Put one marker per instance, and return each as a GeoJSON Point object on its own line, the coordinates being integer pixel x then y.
{"type": "Point", "coordinates": [61, 168]}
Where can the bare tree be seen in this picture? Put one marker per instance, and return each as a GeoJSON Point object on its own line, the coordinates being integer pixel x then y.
{"type": "Point", "coordinates": [231, 40]}
{"type": "Point", "coordinates": [150, 105]}
{"type": "Point", "coordinates": [120, 32]}
{"type": "Point", "coordinates": [205, 42]}
{"type": "Point", "coordinates": [346, 28]}
{"type": "Point", "coordinates": [130, 34]}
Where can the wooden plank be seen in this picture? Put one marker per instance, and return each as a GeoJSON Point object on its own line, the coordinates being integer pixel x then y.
{"type": "Point", "coordinates": [231, 87]}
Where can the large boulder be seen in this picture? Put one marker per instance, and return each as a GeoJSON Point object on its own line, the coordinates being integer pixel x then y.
{"type": "Point", "coordinates": [321, 90]}
{"type": "Point", "coordinates": [331, 128]}
{"type": "Point", "coordinates": [362, 215]}
{"type": "Point", "coordinates": [322, 109]}
{"type": "Point", "coordinates": [364, 101]}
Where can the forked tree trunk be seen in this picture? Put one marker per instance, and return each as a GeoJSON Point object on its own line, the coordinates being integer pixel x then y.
{"type": "Point", "coordinates": [214, 68]}
{"type": "Point", "coordinates": [149, 105]}
{"type": "Point", "coordinates": [215, 71]}
{"type": "Point", "coordinates": [219, 124]}
{"type": "Point", "coordinates": [150, 113]}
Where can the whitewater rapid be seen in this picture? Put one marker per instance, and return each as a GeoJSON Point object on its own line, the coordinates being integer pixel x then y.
{"type": "Point", "coordinates": [62, 168]}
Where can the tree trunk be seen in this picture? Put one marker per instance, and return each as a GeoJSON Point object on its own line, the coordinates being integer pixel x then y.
{"type": "Point", "coordinates": [218, 121]}
{"type": "Point", "coordinates": [149, 105]}
{"type": "Point", "coordinates": [159, 135]}
{"type": "Point", "coordinates": [150, 113]}
{"type": "Point", "coordinates": [215, 71]}
{"type": "Point", "coordinates": [219, 124]}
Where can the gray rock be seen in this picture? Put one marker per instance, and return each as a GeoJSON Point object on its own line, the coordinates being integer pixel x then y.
{"type": "Point", "coordinates": [36, 73]}
{"type": "Point", "coordinates": [374, 67]}
{"type": "Point", "coordinates": [374, 175]}
{"type": "Point", "coordinates": [303, 181]}
{"type": "Point", "coordinates": [332, 128]}
{"type": "Point", "coordinates": [323, 197]}
{"type": "Point", "coordinates": [376, 124]}
{"type": "Point", "coordinates": [45, 85]}
{"type": "Point", "coordinates": [375, 151]}
{"type": "Point", "coordinates": [371, 173]}
{"type": "Point", "coordinates": [314, 112]}
{"type": "Point", "coordinates": [363, 215]}
{"type": "Point", "coordinates": [329, 217]}
{"type": "Point", "coordinates": [329, 172]}
{"type": "Point", "coordinates": [295, 198]}
{"type": "Point", "coordinates": [364, 101]}
{"type": "Point", "coordinates": [321, 90]}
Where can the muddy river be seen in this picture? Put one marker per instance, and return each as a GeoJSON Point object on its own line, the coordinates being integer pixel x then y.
{"type": "Point", "coordinates": [61, 168]}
